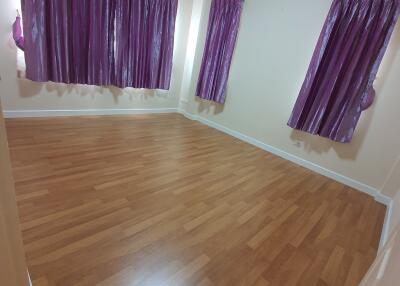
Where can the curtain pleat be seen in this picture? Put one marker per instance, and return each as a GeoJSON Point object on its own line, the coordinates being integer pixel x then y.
{"type": "Point", "coordinates": [35, 33]}
{"type": "Point", "coordinates": [339, 81]}
{"type": "Point", "coordinates": [127, 43]}
{"type": "Point", "coordinates": [223, 27]}
{"type": "Point", "coordinates": [101, 42]}
{"type": "Point", "coordinates": [69, 41]}
{"type": "Point", "coordinates": [17, 34]}
{"type": "Point", "coordinates": [144, 43]}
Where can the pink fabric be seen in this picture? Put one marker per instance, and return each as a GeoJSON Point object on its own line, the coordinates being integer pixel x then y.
{"type": "Point", "coordinates": [17, 34]}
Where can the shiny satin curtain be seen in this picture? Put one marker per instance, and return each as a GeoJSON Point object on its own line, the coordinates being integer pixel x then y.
{"type": "Point", "coordinates": [223, 27]}
{"type": "Point", "coordinates": [17, 34]}
{"type": "Point", "coordinates": [144, 43]}
{"type": "Point", "coordinates": [69, 41]}
{"type": "Point", "coordinates": [339, 81]}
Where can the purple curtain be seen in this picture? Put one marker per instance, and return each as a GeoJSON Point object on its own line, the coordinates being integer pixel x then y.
{"type": "Point", "coordinates": [339, 81]}
{"type": "Point", "coordinates": [223, 27]}
{"type": "Point", "coordinates": [17, 33]}
{"type": "Point", "coordinates": [145, 42]}
{"type": "Point", "coordinates": [69, 41]}
{"type": "Point", "coordinates": [74, 41]}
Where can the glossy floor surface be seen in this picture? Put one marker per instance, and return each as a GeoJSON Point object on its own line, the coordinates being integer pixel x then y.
{"type": "Point", "coordinates": [162, 200]}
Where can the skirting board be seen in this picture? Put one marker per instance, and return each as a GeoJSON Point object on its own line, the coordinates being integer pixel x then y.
{"type": "Point", "coordinates": [290, 157]}
{"type": "Point", "coordinates": [309, 165]}
{"type": "Point", "coordinates": [84, 112]}
{"type": "Point", "coordinates": [386, 225]}
{"type": "Point", "coordinates": [29, 279]}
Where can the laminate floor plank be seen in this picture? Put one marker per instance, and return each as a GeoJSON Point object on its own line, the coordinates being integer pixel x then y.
{"type": "Point", "coordinates": [162, 200]}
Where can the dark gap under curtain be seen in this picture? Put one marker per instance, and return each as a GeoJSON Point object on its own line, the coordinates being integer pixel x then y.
{"type": "Point", "coordinates": [339, 82]}
{"type": "Point", "coordinates": [145, 43]}
{"type": "Point", "coordinates": [223, 27]}
{"type": "Point", "coordinates": [127, 43]}
{"type": "Point", "coordinates": [69, 41]}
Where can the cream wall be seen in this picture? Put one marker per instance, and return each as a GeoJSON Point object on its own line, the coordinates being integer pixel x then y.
{"type": "Point", "coordinates": [275, 44]}
{"type": "Point", "coordinates": [385, 270]}
{"type": "Point", "coordinates": [392, 184]}
{"type": "Point", "coordinates": [274, 48]}
{"type": "Point", "coordinates": [21, 94]}
{"type": "Point", "coordinates": [12, 256]}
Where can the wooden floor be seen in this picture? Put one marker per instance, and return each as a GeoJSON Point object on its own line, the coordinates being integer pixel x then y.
{"type": "Point", "coordinates": [162, 200]}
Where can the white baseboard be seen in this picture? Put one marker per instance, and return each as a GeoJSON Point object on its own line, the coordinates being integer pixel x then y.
{"type": "Point", "coordinates": [84, 112]}
{"type": "Point", "coordinates": [187, 114]}
{"type": "Point", "coordinates": [300, 161]}
{"type": "Point", "coordinates": [386, 225]}
{"type": "Point", "coordinates": [379, 197]}
{"type": "Point", "coordinates": [383, 199]}
{"type": "Point", "coordinates": [388, 218]}
{"type": "Point", "coordinates": [392, 219]}
{"type": "Point", "coordinates": [29, 279]}
{"type": "Point", "coordinates": [290, 157]}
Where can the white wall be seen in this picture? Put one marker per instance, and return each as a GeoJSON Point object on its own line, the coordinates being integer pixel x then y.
{"type": "Point", "coordinates": [275, 44]}
{"type": "Point", "coordinates": [12, 256]}
{"type": "Point", "coordinates": [21, 94]}
{"type": "Point", "coordinates": [385, 270]}
{"type": "Point", "coordinates": [395, 214]}
{"type": "Point", "coordinates": [274, 48]}
{"type": "Point", "coordinates": [392, 183]}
